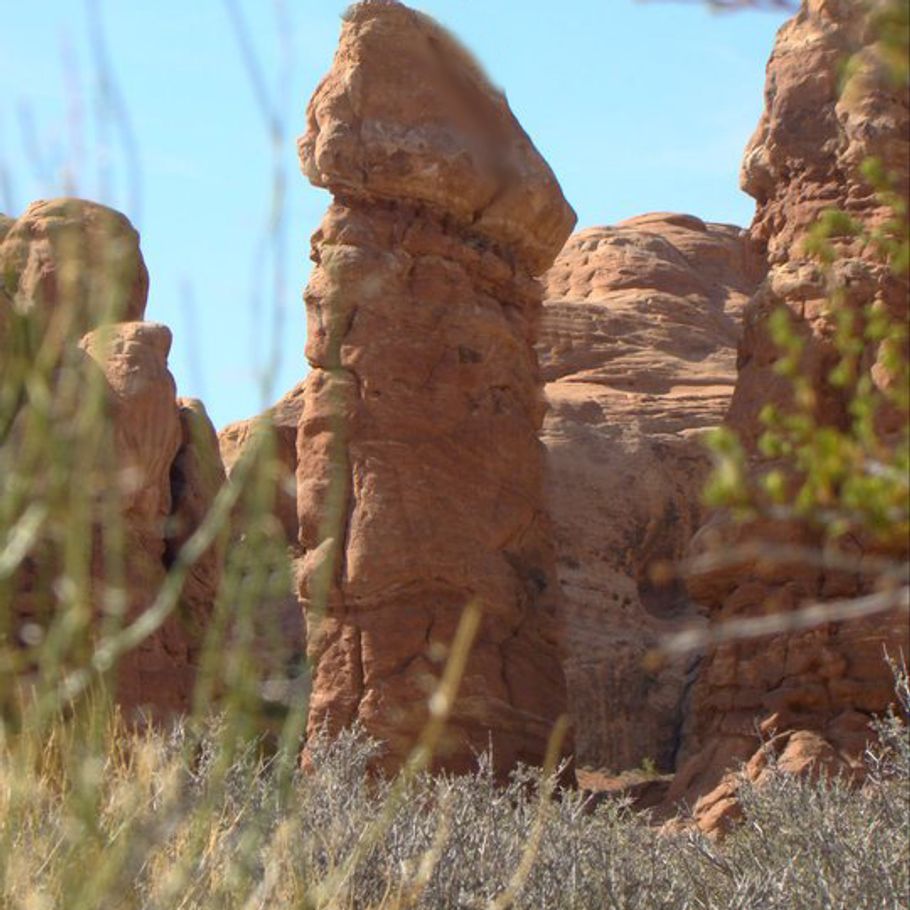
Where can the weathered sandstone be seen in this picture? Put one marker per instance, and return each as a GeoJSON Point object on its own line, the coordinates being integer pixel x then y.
{"type": "Point", "coordinates": [280, 640]}
{"type": "Point", "coordinates": [282, 420]}
{"type": "Point", "coordinates": [75, 286]}
{"type": "Point", "coordinates": [77, 253]}
{"type": "Point", "coordinates": [812, 693]}
{"type": "Point", "coordinates": [196, 476]}
{"type": "Point", "coordinates": [419, 471]}
{"type": "Point", "coordinates": [637, 347]}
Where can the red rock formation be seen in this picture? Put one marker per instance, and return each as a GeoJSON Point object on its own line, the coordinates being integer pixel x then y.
{"type": "Point", "coordinates": [814, 134]}
{"type": "Point", "coordinates": [196, 476]}
{"type": "Point", "coordinates": [816, 689]}
{"type": "Point", "coordinates": [637, 346]}
{"type": "Point", "coordinates": [282, 419]}
{"type": "Point", "coordinates": [79, 253]}
{"type": "Point", "coordinates": [146, 467]}
{"type": "Point", "coordinates": [420, 475]}
{"type": "Point", "coordinates": [280, 640]}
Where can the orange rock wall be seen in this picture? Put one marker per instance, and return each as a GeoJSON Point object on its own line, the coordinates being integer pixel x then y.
{"type": "Point", "coordinates": [638, 348]}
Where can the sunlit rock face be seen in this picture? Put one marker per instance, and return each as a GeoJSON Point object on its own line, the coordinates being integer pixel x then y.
{"type": "Point", "coordinates": [814, 691]}
{"type": "Point", "coordinates": [419, 469]}
{"type": "Point", "coordinates": [76, 262]}
{"type": "Point", "coordinates": [638, 350]}
{"type": "Point", "coordinates": [74, 289]}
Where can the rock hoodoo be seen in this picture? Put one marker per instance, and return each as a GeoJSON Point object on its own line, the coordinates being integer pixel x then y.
{"type": "Point", "coordinates": [814, 692]}
{"type": "Point", "coordinates": [419, 470]}
{"type": "Point", "coordinates": [70, 269]}
{"type": "Point", "coordinates": [638, 348]}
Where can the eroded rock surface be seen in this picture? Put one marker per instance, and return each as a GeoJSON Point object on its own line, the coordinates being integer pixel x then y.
{"type": "Point", "coordinates": [281, 420]}
{"type": "Point", "coordinates": [419, 471]}
{"type": "Point", "coordinates": [813, 693]}
{"type": "Point", "coordinates": [77, 253]}
{"type": "Point", "coordinates": [638, 348]}
{"type": "Point", "coordinates": [75, 288]}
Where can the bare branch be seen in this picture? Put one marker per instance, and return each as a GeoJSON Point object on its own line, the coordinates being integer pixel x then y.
{"type": "Point", "coordinates": [112, 109]}
{"type": "Point", "coordinates": [807, 617]}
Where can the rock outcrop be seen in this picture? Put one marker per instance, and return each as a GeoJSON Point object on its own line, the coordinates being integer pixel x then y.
{"type": "Point", "coordinates": [74, 264]}
{"type": "Point", "coordinates": [133, 464]}
{"type": "Point", "coordinates": [281, 420]}
{"type": "Point", "coordinates": [638, 348]}
{"type": "Point", "coordinates": [811, 693]}
{"type": "Point", "coordinates": [419, 470]}
{"type": "Point", "coordinates": [279, 630]}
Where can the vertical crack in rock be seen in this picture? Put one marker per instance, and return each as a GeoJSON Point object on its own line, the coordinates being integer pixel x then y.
{"type": "Point", "coordinates": [443, 214]}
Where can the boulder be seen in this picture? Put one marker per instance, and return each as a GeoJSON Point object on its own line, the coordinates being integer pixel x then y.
{"type": "Point", "coordinates": [75, 262]}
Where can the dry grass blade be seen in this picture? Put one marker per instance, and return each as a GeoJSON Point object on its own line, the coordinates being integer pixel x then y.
{"type": "Point", "coordinates": [507, 898]}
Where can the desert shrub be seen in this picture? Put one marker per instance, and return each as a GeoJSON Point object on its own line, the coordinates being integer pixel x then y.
{"type": "Point", "coordinates": [129, 819]}
{"type": "Point", "coordinates": [889, 759]}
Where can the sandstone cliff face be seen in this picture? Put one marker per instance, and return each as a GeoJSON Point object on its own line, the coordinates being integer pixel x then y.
{"type": "Point", "coordinates": [419, 471]}
{"type": "Point", "coordinates": [637, 347]}
{"type": "Point", "coordinates": [73, 268]}
{"type": "Point", "coordinates": [815, 690]}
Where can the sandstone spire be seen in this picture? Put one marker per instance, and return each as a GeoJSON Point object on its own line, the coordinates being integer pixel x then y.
{"type": "Point", "coordinates": [420, 474]}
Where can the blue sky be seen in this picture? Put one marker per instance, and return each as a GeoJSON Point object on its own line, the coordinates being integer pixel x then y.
{"type": "Point", "coordinates": [638, 106]}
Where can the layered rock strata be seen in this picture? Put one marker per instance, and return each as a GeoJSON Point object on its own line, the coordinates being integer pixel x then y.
{"type": "Point", "coordinates": [419, 470]}
{"type": "Point", "coordinates": [638, 348]}
{"type": "Point", "coordinates": [811, 693]}
{"type": "Point", "coordinates": [140, 470]}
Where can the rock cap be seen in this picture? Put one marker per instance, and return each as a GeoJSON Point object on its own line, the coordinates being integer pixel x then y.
{"type": "Point", "coordinates": [406, 114]}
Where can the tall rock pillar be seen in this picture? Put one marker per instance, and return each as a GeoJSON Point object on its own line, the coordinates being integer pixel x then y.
{"type": "Point", "coordinates": [420, 473]}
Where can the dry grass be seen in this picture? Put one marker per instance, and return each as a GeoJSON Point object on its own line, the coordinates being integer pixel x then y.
{"type": "Point", "coordinates": [98, 816]}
